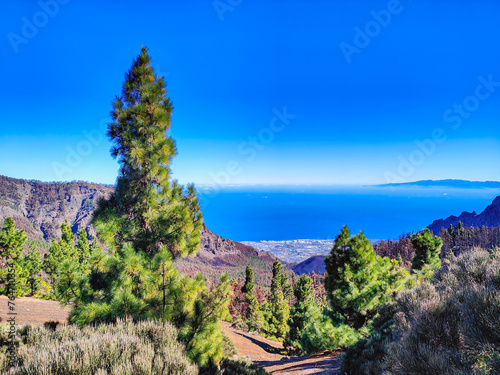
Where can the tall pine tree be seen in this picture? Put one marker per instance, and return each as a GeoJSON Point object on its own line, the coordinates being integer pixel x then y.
{"type": "Point", "coordinates": [148, 209]}
{"type": "Point", "coordinates": [148, 222]}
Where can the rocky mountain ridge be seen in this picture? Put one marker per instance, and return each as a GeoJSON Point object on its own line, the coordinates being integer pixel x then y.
{"type": "Point", "coordinates": [490, 217]}
{"type": "Point", "coordinates": [41, 207]}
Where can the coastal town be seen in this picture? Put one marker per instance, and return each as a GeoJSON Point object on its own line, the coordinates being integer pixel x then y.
{"type": "Point", "coordinates": [293, 250]}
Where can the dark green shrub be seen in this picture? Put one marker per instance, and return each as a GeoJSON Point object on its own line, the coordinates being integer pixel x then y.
{"type": "Point", "coordinates": [241, 325]}
{"type": "Point", "coordinates": [323, 331]}
{"type": "Point", "coordinates": [364, 358]}
{"type": "Point", "coordinates": [427, 249]}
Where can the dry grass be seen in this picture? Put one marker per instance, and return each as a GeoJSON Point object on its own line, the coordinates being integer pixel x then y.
{"type": "Point", "coordinates": [126, 348]}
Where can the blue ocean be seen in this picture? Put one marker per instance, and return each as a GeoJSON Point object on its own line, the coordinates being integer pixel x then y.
{"type": "Point", "coordinates": [254, 213]}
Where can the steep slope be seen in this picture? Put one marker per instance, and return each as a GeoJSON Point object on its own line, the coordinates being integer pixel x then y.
{"type": "Point", "coordinates": [315, 263]}
{"type": "Point", "coordinates": [490, 217]}
{"type": "Point", "coordinates": [41, 207]}
{"type": "Point", "coordinates": [218, 255]}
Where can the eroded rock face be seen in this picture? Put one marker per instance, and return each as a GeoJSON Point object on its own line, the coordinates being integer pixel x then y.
{"type": "Point", "coordinates": [41, 207]}
{"type": "Point", "coordinates": [490, 217]}
{"type": "Point", "coordinates": [217, 255]}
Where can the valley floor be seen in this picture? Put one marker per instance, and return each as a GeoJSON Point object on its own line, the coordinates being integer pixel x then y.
{"type": "Point", "coordinates": [253, 347]}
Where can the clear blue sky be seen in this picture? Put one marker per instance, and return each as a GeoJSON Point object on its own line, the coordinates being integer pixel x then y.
{"type": "Point", "coordinates": [369, 82]}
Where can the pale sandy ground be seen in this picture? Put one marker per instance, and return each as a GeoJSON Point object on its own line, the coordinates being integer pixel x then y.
{"type": "Point", "coordinates": [34, 311]}
{"type": "Point", "coordinates": [251, 346]}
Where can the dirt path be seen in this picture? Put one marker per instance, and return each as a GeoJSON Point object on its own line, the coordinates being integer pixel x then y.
{"type": "Point", "coordinates": [252, 347]}
{"type": "Point", "coordinates": [33, 311]}
{"type": "Point", "coordinates": [249, 346]}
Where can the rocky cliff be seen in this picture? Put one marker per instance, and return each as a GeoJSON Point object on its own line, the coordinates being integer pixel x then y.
{"type": "Point", "coordinates": [218, 255]}
{"type": "Point", "coordinates": [41, 207]}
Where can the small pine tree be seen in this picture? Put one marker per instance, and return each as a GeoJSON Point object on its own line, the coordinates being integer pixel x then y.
{"type": "Point", "coordinates": [299, 313]}
{"type": "Point", "coordinates": [13, 275]}
{"type": "Point", "coordinates": [254, 318]}
{"type": "Point", "coordinates": [83, 247]}
{"type": "Point", "coordinates": [278, 307]}
{"type": "Point", "coordinates": [249, 286]}
{"type": "Point", "coordinates": [358, 281]}
{"type": "Point", "coordinates": [34, 265]}
{"type": "Point", "coordinates": [69, 265]}
{"type": "Point", "coordinates": [11, 240]}
{"type": "Point", "coordinates": [61, 250]}
{"type": "Point", "coordinates": [427, 249]}
{"type": "Point", "coordinates": [201, 334]}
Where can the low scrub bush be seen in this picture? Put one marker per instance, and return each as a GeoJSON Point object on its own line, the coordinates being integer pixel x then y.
{"type": "Point", "coordinates": [127, 348]}
{"type": "Point", "coordinates": [241, 325]}
{"type": "Point", "coordinates": [451, 326]}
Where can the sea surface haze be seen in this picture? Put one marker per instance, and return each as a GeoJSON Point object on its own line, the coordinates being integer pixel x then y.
{"type": "Point", "coordinates": [254, 213]}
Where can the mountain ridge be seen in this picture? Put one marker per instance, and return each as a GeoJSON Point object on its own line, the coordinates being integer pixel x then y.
{"type": "Point", "coordinates": [315, 264]}
{"type": "Point", "coordinates": [489, 217]}
{"type": "Point", "coordinates": [456, 183]}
